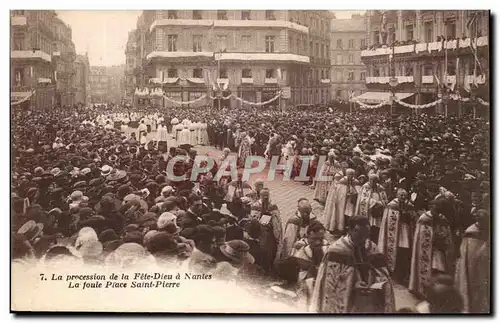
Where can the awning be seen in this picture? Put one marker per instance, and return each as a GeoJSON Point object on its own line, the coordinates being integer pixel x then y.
{"type": "Point", "coordinates": [377, 97]}
{"type": "Point", "coordinates": [196, 80]}
{"type": "Point", "coordinates": [19, 97]}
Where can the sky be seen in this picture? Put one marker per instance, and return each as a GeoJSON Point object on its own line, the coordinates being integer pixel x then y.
{"type": "Point", "coordinates": [103, 34]}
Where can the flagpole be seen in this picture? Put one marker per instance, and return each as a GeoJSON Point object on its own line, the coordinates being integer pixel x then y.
{"type": "Point", "coordinates": [218, 77]}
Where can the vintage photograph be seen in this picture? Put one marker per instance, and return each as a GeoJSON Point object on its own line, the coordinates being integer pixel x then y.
{"type": "Point", "coordinates": [250, 161]}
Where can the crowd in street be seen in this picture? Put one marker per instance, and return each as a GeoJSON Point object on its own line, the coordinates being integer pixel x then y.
{"type": "Point", "coordinates": [408, 201]}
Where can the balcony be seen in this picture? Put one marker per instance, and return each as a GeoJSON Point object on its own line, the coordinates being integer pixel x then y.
{"type": "Point", "coordinates": [18, 21]}
{"type": "Point", "coordinates": [44, 80]}
{"type": "Point", "coordinates": [451, 79]}
{"type": "Point", "coordinates": [453, 44]}
{"type": "Point", "coordinates": [427, 79]}
{"type": "Point", "coordinates": [230, 23]}
{"type": "Point", "coordinates": [30, 54]}
{"type": "Point", "coordinates": [271, 80]}
{"type": "Point", "coordinates": [247, 80]}
{"type": "Point", "coordinates": [385, 79]}
{"type": "Point", "coordinates": [480, 79]}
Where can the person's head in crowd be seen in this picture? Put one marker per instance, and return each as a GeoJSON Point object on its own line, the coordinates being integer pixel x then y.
{"type": "Point", "coordinates": [204, 239]}
{"type": "Point", "coordinates": [483, 219]}
{"type": "Point", "coordinates": [253, 229]}
{"type": "Point", "coordinates": [358, 230]}
{"type": "Point", "coordinates": [237, 253]}
{"type": "Point", "coordinates": [259, 185]}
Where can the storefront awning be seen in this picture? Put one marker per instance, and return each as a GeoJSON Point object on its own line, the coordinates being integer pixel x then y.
{"type": "Point", "coordinates": [19, 97]}
{"type": "Point", "coordinates": [377, 97]}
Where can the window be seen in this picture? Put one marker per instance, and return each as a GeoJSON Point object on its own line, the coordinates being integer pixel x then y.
{"type": "Point", "coordinates": [452, 69]}
{"type": "Point", "coordinates": [172, 14]}
{"type": "Point", "coordinates": [19, 77]}
{"type": "Point", "coordinates": [269, 44]}
{"type": "Point", "coordinates": [223, 73]}
{"type": "Point", "coordinates": [18, 41]}
{"type": "Point", "coordinates": [322, 74]}
{"type": "Point", "coordinates": [245, 15]}
{"type": "Point", "coordinates": [246, 73]}
{"type": "Point", "coordinates": [339, 43]}
{"type": "Point", "coordinates": [376, 37]}
{"type": "Point", "coordinates": [246, 43]}
{"type": "Point", "coordinates": [327, 52]}
{"type": "Point", "coordinates": [290, 44]}
{"type": "Point", "coordinates": [322, 53]}
{"type": "Point", "coordinates": [351, 59]}
{"type": "Point", "coordinates": [197, 15]}
{"type": "Point", "coordinates": [298, 47]}
{"type": "Point", "coordinates": [221, 42]}
{"type": "Point", "coordinates": [339, 76]}
{"type": "Point", "coordinates": [362, 76]}
{"type": "Point", "coordinates": [159, 39]}
{"type": "Point", "coordinates": [317, 50]}
{"type": "Point", "coordinates": [451, 29]}
{"type": "Point", "coordinates": [428, 70]}
{"type": "Point", "coordinates": [172, 43]}
{"type": "Point", "coordinates": [311, 49]}
{"type": "Point", "coordinates": [351, 43]}
{"type": "Point", "coordinates": [270, 73]}
{"type": "Point", "coordinates": [221, 15]}
{"type": "Point", "coordinates": [198, 73]}
{"type": "Point", "coordinates": [350, 76]}
{"type": "Point", "coordinates": [338, 94]}
{"type": "Point", "coordinates": [172, 72]}
{"type": "Point", "coordinates": [339, 59]}
{"type": "Point", "coordinates": [197, 39]}
{"type": "Point", "coordinates": [270, 15]}
{"type": "Point", "coordinates": [429, 31]}
{"type": "Point", "coordinates": [409, 32]}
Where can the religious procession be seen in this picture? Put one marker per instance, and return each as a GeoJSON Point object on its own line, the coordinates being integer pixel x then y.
{"type": "Point", "coordinates": [365, 210]}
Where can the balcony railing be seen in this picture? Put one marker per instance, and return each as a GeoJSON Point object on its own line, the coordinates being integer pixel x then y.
{"type": "Point", "coordinates": [385, 79]}
{"type": "Point", "coordinates": [480, 79]}
{"type": "Point", "coordinates": [325, 81]}
{"type": "Point", "coordinates": [18, 21]}
{"type": "Point", "coordinates": [247, 80]}
{"type": "Point", "coordinates": [271, 80]}
{"type": "Point", "coordinates": [453, 44]}
{"type": "Point", "coordinates": [30, 54]}
{"type": "Point", "coordinates": [427, 79]}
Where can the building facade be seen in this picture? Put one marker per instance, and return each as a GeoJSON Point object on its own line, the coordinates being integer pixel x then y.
{"type": "Point", "coordinates": [107, 84]}
{"type": "Point", "coordinates": [423, 50]}
{"type": "Point", "coordinates": [99, 84]}
{"type": "Point", "coordinates": [82, 79]}
{"type": "Point", "coordinates": [64, 57]}
{"type": "Point", "coordinates": [250, 53]}
{"type": "Point", "coordinates": [348, 37]}
{"type": "Point", "coordinates": [31, 57]}
{"type": "Point", "coordinates": [130, 65]}
{"type": "Point", "coordinates": [42, 59]}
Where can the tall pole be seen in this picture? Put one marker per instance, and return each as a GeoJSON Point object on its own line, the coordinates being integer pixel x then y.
{"type": "Point", "coordinates": [393, 75]}
{"type": "Point", "coordinates": [218, 77]}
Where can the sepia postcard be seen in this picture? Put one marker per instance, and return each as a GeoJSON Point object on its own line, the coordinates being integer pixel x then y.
{"type": "Point", "coordinates": [250, 161]}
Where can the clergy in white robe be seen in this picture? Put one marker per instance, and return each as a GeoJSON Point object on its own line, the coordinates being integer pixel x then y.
{"type": "Point", "coordinates": [184, 136]}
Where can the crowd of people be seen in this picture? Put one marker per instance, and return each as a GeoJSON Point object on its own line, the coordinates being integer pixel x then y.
{"type": "Point", "coordinates": [407, 201]}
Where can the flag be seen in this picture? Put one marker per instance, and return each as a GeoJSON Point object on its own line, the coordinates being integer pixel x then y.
{"type": "Point", "coordinates": [471, 21]}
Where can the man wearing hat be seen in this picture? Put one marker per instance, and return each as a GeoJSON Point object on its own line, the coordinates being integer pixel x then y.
{"type": "Point", "coordinates": [433, 251]}
{"type": "Point", "coordinates": [343, 204]}
{"type": "Point", "coordinates": [371, 202]}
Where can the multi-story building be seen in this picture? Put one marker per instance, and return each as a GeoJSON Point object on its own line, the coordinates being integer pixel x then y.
{"type": "Point", "coordinates": [64, 56]}
{"type": "Point", "coordinates": [348, 37]}
{"type": "Point", "coordinates": [99, 84]}
{"type": "Point", "coordinates": [130, 65]}
{"type": "Point", "coordinates": [424, 49]}
{"type": "Point", "coordinates": [106, 84]}
{"type": "Point", "coordinates": [31, 57]}
{"type": "Point", "coordinates": [250, 53]}
{"type": "Point", "coordinates": [82, 79]}
{"type": "Point", "coordinates": [115, 87]}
